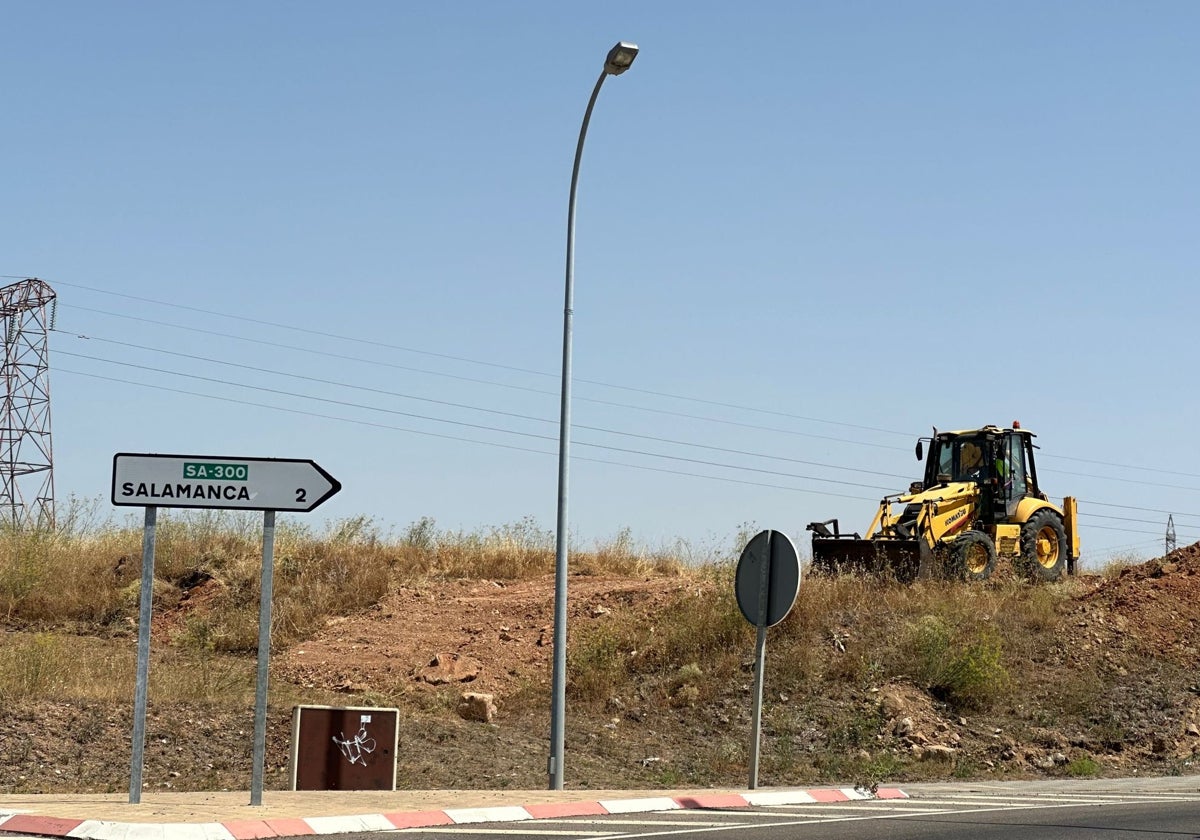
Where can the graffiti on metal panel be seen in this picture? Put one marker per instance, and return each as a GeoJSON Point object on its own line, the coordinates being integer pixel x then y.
{"type": "Point", "coordinates": [357, 749]}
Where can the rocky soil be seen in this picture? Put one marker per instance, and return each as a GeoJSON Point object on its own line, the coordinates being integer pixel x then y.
{"type": "Point", "coordinates": [1124, 646]}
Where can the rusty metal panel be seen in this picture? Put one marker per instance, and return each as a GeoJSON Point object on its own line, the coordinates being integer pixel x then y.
{"type": "Point", "coordinates": [344, 748]}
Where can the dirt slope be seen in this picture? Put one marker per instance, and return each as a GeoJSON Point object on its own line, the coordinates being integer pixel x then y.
{"type": "Point", "coordinates": [1125, 646]}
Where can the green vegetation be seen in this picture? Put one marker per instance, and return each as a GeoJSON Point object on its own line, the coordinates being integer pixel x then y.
{"type": "Point", "coordinates": [1084, 766]}
{"type": "Point", "coordinates": [962, 666]}
{"type": "Point", "coordinates": [68, 596]}
{"type": "Point", "coordinates": [682, 661]}
{"type": "Point", "coordinates": [84, 579]}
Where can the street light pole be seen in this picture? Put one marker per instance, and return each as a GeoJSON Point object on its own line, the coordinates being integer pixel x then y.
{"type": "Point", "coordinates": [618, 61]}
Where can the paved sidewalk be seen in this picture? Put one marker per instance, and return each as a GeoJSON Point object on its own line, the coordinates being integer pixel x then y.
{"type": "Point", "coordinates": [228, 816]}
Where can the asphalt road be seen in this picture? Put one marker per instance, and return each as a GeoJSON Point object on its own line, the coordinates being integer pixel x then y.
{"type": "Point", "coordinates": [932, 813]}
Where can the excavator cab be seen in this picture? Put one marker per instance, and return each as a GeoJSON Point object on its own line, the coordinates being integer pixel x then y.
{"type": "Point", "coordinates": [999, 461]}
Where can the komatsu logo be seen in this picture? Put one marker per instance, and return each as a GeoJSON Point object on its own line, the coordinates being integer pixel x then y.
{"type": "Point", "coordinates": [951, 520]}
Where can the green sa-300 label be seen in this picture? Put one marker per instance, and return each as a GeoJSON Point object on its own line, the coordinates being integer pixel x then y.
{"type": "Point", "coordinates": [217, 472]}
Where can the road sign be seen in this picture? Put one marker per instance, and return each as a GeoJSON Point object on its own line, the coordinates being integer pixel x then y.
{"type": "Point", "coordinates": [203, 481]}
{"type": "Point", "coordinates": [766, 584]}
{"type": "Point", "coordinates": [783, 580]}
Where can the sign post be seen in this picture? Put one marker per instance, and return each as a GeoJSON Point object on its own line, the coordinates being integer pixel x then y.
{"type": "Point", "coordinates": [145, 605]}
{"type": "Point", "coordinates": [264, 657]}
{"type": "Point", "coordinates": [223, 483]}
{"type": "Point", "coordinates": [766, 584]}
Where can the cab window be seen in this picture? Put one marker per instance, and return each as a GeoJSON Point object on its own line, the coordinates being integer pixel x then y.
{"type": "Point", "coordinates": [969, 455]}
{"type": "Point", "coordinates": [945, 464]}
{"type": "Point", "coordinates": [1015, 477]}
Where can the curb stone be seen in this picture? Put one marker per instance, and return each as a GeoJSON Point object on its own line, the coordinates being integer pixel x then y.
{"type": "Point", "coordinates": [243, 829]}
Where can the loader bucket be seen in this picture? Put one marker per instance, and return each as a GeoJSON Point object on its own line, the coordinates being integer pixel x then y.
{"type": "Point", "coordinates": [899, 559]}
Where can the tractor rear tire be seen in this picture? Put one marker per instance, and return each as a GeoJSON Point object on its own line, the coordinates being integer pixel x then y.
{"type": "Point", "coordinates": [1044, 546]}
{"type": "Point", "coordinates": [972, 556]}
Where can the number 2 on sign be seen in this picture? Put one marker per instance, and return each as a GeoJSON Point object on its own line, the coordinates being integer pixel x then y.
{"type": "Point", "coordinates": [301, 496]}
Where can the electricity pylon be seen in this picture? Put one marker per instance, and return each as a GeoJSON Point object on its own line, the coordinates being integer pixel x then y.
{"type": "Point", "coordinates": [26, 455]}
{"type": "Point", "coordinates": [1170, 542]}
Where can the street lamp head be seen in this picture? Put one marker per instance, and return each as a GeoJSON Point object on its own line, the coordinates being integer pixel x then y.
{"type": "Point", "coordinates": [620, 58]}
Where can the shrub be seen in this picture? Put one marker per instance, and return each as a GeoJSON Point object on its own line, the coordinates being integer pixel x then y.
{"type": "Point", "coordinates": [32, 668]}
{"type": "Point", "coordinates": [596, 663]}
{"type": "Point", "coordinates": [964, 669]}
{"type": "Point", "coordinates": [1082, 766]}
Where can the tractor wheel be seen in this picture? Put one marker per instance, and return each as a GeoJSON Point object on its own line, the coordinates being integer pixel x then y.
{"type": "Point", "coordinates": [972, 556]}
{"type": "Point", "coordinates": [1044, 546]}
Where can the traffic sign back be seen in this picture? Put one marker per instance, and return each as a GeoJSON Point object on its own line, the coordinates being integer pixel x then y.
{"type": "Point", "coordinates": [783, 582]}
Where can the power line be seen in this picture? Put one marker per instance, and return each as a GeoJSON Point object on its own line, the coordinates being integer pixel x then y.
{"type": "Point", "coordinates": [1135, 507]}
{"type": "Point", "coordinates": [1119, 466]}
{"type": "Point", "coordinates": [701, 462]}
{"type": "Point", "coordinates": [465, 424]}
{"type": "Point", "coordinates": [508, 385]}
{"type": "Point", "coordinates": [611, 385]}
{"type": "Point", "coordinates": [549, 420]}
{"type": "Point", "coordinates": [643, 467]}
{"type": "Point", "coordinates": [1157, 534]}
{"type": "Point", "coordinates": [1120, 518]}
{"type": "Point", "coordinates": [500, 412]}
{"type": "Point", "coordinates": [632, 389]}
{"type": "Point", "coordinates": [1126, 480]}
{"type": "Point", "coordinates": [386, 345]}
{"type": "Point", "coordinates": [495, 444]}
{"type": "Point", "coordinates": [1126, 546]}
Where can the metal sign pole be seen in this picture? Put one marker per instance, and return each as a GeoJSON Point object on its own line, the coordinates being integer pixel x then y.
{"type": "Point", "coordinates": [145, 606]}
{"type": "Point", "coordinates": [760, 657]}
{"type": "Point", "coordinates": [264, 656]}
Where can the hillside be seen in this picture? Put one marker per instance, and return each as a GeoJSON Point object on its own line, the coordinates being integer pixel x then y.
{"type": "Point", "coordinates": [865, 682]}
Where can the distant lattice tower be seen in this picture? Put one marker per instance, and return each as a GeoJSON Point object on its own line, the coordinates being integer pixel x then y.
{"type": "Point", "coordinates": [26, 456]}
{"type": "Point", "coordinates": [1170, 541]}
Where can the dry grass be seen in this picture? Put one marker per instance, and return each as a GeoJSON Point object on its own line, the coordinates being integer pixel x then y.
{"type": "Point", "coordinates": [68, 612]}
{"type": "Point", "coordinates": [58, 667]}
{"type": "Point", "coordinates": [680, 657]}
{"type": "Point", "coordinates": [71, 595]}
{"type": "Point", "coordinates": [964, 644]}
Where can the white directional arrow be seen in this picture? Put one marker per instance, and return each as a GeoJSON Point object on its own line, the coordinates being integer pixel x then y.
{"type": "Point", "coordinates": [231, 483]}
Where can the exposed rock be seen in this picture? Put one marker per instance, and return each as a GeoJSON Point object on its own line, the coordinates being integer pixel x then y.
{"type": "Point", "coordinates": [475, 706]}
{"type": "Point", "coordinates": [447, 668]}
{"type": "Point", "coordinates": [891, 704]}
{"type": "Point", "coordinates": [903, 728]}
{"type": "Point", "coordinates": [939, 751]}
{"type": "Point", "coordinates": [1048, 738]}
{"type": "Point", "coordinates": [1192, 729]}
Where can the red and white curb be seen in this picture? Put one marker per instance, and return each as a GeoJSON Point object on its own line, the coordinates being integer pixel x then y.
{"type": "Point", "coordinates": [286, 827]}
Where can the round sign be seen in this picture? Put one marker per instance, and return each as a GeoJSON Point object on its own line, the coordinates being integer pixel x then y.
{"type": "Point", "coordinates": [768, 578]}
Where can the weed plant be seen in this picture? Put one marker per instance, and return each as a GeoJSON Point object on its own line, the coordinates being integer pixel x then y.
{"type": "Point", "coordinates": [68, 600]}
{"type": "Point", "coordinates": [69, 597]}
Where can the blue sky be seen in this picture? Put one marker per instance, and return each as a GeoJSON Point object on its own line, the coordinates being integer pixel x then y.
{"type": "Point", "coordinates": [807, 232]}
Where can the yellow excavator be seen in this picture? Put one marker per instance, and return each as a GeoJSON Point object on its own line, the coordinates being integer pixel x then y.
{"type": "Point", "coordinates": [978, 504]}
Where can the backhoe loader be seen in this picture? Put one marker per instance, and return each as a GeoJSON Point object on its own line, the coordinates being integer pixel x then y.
{"type": "Point", "coordinates": [978, 504]}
